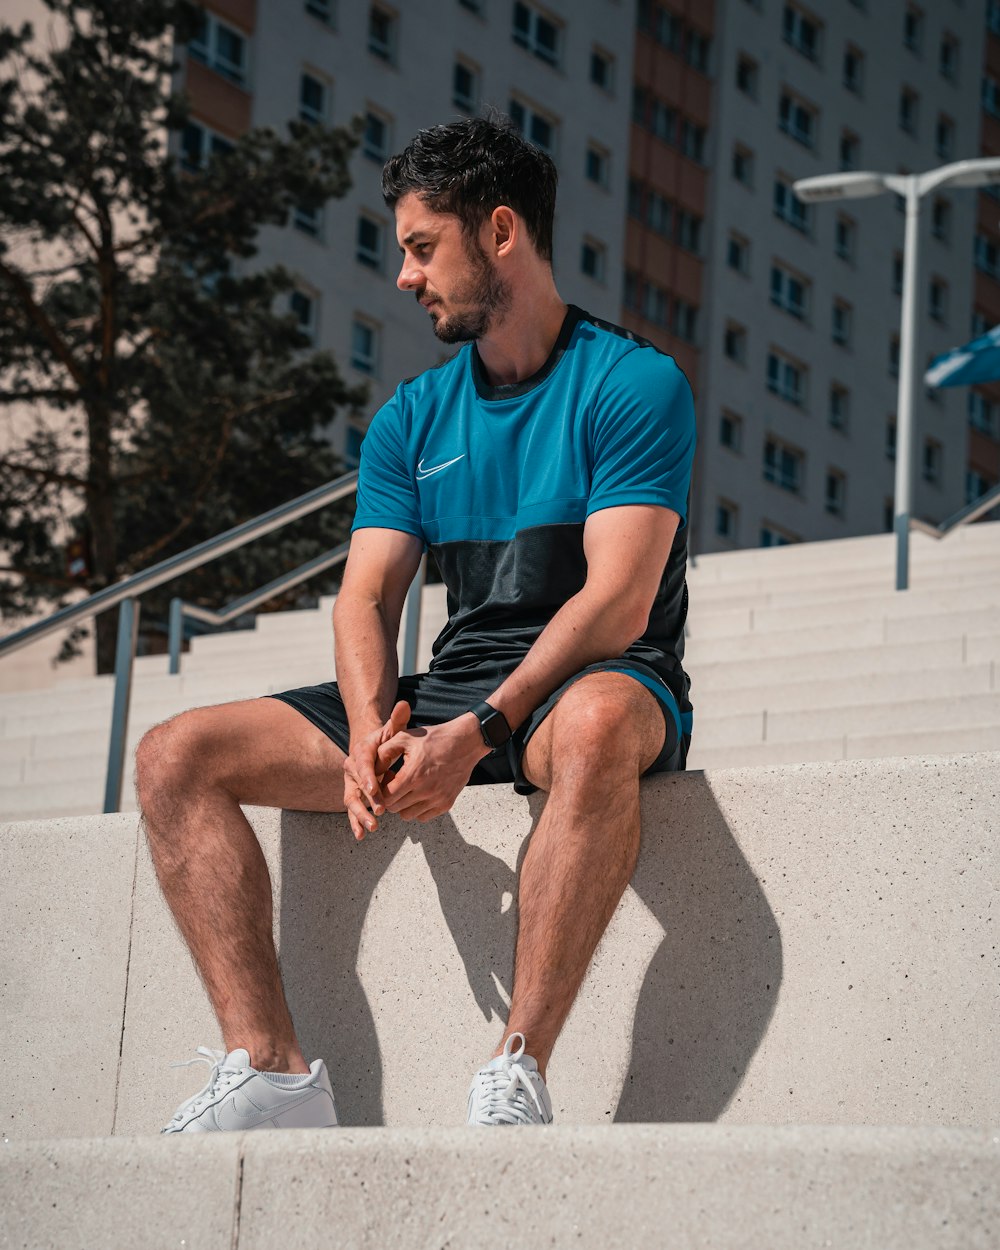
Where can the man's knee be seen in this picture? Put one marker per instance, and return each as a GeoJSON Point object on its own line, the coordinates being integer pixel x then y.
{"type": "Point", "coordinates": [605, 722]}
{"type": "Point", "coordinates": [166, 757]}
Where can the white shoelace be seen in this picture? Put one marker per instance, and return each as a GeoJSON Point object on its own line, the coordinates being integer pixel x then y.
{"type": "Point", "coordinates": [219, 1077]}
{"type": "Point", "coordinates": [503, 1090]}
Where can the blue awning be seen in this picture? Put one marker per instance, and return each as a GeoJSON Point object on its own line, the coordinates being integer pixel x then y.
{"type": "Point", "coordinates": [978, 361]}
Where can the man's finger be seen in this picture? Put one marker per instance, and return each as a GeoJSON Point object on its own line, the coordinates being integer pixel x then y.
{"type": "Point", "coordinates": [399, 718]}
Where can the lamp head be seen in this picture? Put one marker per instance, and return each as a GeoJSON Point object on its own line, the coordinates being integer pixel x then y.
{"type": "Point", "coordinates": [848, 186]}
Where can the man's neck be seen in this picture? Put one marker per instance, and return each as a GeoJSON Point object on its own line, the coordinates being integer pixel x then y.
{"type": "Point", "coordinates": [520, 344]}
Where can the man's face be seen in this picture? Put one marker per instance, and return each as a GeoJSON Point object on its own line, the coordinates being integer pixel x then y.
{"type": "Point", "coordinates": [449, 273]}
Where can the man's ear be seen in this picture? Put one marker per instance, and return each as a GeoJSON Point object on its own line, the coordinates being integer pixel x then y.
{"type": "Point", "coordinates": [506, 229]}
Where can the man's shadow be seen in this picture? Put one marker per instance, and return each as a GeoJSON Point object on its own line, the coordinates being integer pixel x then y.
{"type": "Point", "coordinates": [706, 997]}
{"type": "Point", "coordinates": [326, 892]}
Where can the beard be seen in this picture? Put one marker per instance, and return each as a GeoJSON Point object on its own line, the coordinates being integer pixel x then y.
{"type": "Point", "coordinates": [484, 295]}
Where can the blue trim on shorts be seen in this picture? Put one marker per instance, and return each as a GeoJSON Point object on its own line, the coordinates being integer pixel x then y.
{"type": "Point", "coordinates": [684, 721]}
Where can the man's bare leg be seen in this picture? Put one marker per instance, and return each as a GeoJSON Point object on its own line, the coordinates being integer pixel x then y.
{"type": "Point", "coordinates": [192, 774]}
{"type": "Point", "coordinates": [589, 754]}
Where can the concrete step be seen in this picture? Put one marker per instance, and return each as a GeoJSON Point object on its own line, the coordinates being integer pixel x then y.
{"type": "Point", "coordinates": [809, 944]}
{"type": "Point", "coordinates": [932, 632]}
{"type": "Point", "coordinates": [624, 1185]}
{"type": "Point", "coordinates": [903, 743]}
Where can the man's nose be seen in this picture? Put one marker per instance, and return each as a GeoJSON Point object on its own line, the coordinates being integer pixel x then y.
{"type": "Point", "coordinates": [409, 275]}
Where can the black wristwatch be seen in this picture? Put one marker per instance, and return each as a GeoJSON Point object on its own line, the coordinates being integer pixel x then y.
{"type": "Point", "coordinates": [492, 724]}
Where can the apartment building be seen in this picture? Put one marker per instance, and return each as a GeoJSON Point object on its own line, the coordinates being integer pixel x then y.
{"type": "Point", "coordinates": [799, 347]}
{"type": "Point", "coordinates": [563, 72]}
{"type": "Point", "coordinates": [983, 467]}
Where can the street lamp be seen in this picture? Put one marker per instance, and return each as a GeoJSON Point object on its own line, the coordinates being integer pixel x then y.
{"type": "Point", "coordinates": [913, 187]}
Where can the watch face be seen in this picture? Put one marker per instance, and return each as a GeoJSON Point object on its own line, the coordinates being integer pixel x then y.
{"type": "Point", "coordinates": [495, 728]}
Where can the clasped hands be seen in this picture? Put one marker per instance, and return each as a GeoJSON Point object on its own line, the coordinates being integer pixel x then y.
{"type": "Point", "coordinates": [437, 762]}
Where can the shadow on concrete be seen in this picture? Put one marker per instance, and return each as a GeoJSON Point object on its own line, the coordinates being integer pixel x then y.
{"type": "Point", "coordinates": [327, 885]}
{"type": "Point", "coordinates": [711, 987]}
{"type": "Point", "coordinates": [706, 998]}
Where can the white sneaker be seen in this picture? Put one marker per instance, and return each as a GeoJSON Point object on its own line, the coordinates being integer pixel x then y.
{"type": "Point", "coordinates": [238, 1097]}
{"type": "Point", "coordinates": [509, 1090]}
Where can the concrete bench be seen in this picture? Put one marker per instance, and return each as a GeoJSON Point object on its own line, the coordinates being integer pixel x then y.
{"type": "Point", "coordinates": [813, 944]}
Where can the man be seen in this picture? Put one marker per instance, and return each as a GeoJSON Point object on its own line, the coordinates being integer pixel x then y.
{"type": "Point", "coordinates": [546, 466]}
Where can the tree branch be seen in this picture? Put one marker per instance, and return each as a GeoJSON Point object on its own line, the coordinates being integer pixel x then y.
{"type": "Point", "coordinates": [44, 475]}
{"type": "Point", "coordinates": [38, 317]}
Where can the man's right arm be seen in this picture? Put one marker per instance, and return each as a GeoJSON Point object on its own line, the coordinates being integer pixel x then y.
{"type": "Point", "coordinates": [380, 567]}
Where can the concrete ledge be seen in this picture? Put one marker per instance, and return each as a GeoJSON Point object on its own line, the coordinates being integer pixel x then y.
{"type": "Point", "coordinates": [642, 1185]}
{"type": "Point", "coordinates": [810, 944]}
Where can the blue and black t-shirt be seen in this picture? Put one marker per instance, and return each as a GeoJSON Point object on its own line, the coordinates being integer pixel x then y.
{"type": "Point", "coordinates": [498, 481]}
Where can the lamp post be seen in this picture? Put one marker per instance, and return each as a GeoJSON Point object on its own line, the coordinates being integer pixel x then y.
{"type": "Point", "coordinates": [913, 187]}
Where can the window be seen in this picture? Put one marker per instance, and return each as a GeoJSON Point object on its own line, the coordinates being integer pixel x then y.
{"type": "Point", "coordinates": [364, 346]}
{"type": "Point", "coordinates": [978, 324]}
{"type": "Point", "coordinates": [199, 145]}
{"type": "Point", "coordinates": [684, 321]}
{"type": "Point", "coordinates": [984, 416]}
{"type": "Point", "coordinates": [598, 165]}
{"type": "Point", "coordinates": [312, 99]}
{"type": "Point", "coordinates": [689, 231]}
{"type": "Point", "coordinates": [747, 76]}
{"type": "Point", "coordinates": [897, 273]}
{"type": "Point", "coordinates": [635, 199]}
{"type": "Point", "coordinates": [535, 126]}
{"type": "Point", "coordinates": [839, 408]}
{"type": "Point", "coordinates": [382, 34]}
{"type": "Point", "coordinates": [592, 259]}
{"type": "Point", "coordinates": [933, 458]}
{"type": "Point", "coordinates": [668, 30]}
{"type": "Point", "coordinates": [352, 446]}
{"type": "Point", "coordinates": [941, 220]}
{"type": "Point", "coordinates": [948, 57]}
{"type": "Point", "coordinates": [991, 95]}
{"type": "Point", "coordinates": [602, 69]}
{"type": "Point", "coordinates": [797, 120]}
{"type": "Point", "coordinates": [309, 221]}
{"type": "Point", "coordinates": [938, 302]}
{"type": "Point", "coordinates": [323, 9]}
{"type": "Point", "coordinates": [842, 322]}
{"type": "Point", "coordinates": [473, 6]}
{"type": "Point", "coordinates": [993, 17]}
{"type": "Point", "coordinates": [659, 214]}
{"type": "Point", "coordinates": [693, 141]}
{"type": "Point", "coordinates": [772, 535]}
{"type": "Point", "coordinates": [726, 519]}
{"type": "Point", "coordinates": [987, 256]}
{"type": "Point", "coordinates": [640, 105]}
{"type": "Point", "coordinates": [894, 356]}
{"type": "Point", "coordinates": [734, 343]}
{"type": "Point", "coordinates": [888, 517]}
{"type": "Point", "coordinates": [464, 87]}
{"type": "Point", "coordinates": [801, 31]}
{"type": "Point", "coordinates": [538, 34]}
{"type": "Point", "coordinates": [850, 150]}
{"type": "Point", "coordinates": [790, 208]}
{"type": "Point", "coordinates": [370, 244]}
{"type": "Point", "coordinates": [631, 297]}
{"type": "Point", "coordinates": [854, 68]}
{"type": "Point", "coordinates": [696, 51]}
{"type": "Point", "coordinates": [976, 485]}
{"type": "Point", "coordinates": [783, 465]}
{"type": "Point", "coordinates": [654, 303]}
{"type": "Point", "coordinates": [789, 292]}
{"type": "Point", "coordinates": [662, 121]}
{"type": "Point", "coordinates": [890, 439]}
{"type": "Point", "coordinates": [845, 237]}
{"type": "Point", "coordinates": [304, 308]}
{"type": "Point", "coordinates": [786, 378]}
{"type": "Point", "coordinates": [836, 489]}
{"type": "Point", "coordinates": [220, 47]}
{"type": "Point", "coordinates": [742, 166]}
{"type": "Point", "coordinates": [913, 28]}
{"type": "Point", "coordinates": [944, 137]}
{"type": "Point", "coordinates": [908, 108]}
{"type": "Point", "coordinates": [731, 431]}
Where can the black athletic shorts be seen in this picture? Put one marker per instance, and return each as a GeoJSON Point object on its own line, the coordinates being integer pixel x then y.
{"type": "Point", "coordinates": [434, 699]}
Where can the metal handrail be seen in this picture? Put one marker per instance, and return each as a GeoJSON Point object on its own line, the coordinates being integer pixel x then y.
{"type": "Point", "coordinates": [179, 609]}
{"type": "Point", "coordinates": [127, 593]}
{"type": "Point", "coordinates": [971, 512]}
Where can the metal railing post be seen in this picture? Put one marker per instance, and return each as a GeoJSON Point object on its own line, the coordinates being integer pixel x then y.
{"type": "Point", "coordinates": [128, 633]}
{"type": "Point", "coordinates": [411, 623]}
{"type": "Point", "coordinates": [175, 634]}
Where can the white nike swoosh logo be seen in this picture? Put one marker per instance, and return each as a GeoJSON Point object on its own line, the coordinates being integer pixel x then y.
{"type": "Point", "coordinates": [422, 472]}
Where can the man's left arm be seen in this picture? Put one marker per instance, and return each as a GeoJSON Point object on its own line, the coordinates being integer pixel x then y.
{"type": "Point", "coordinates": [626, 549]}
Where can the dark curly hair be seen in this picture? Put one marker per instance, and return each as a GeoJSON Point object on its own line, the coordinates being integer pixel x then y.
{"type": "Point", "coordinates": [468, 168]}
